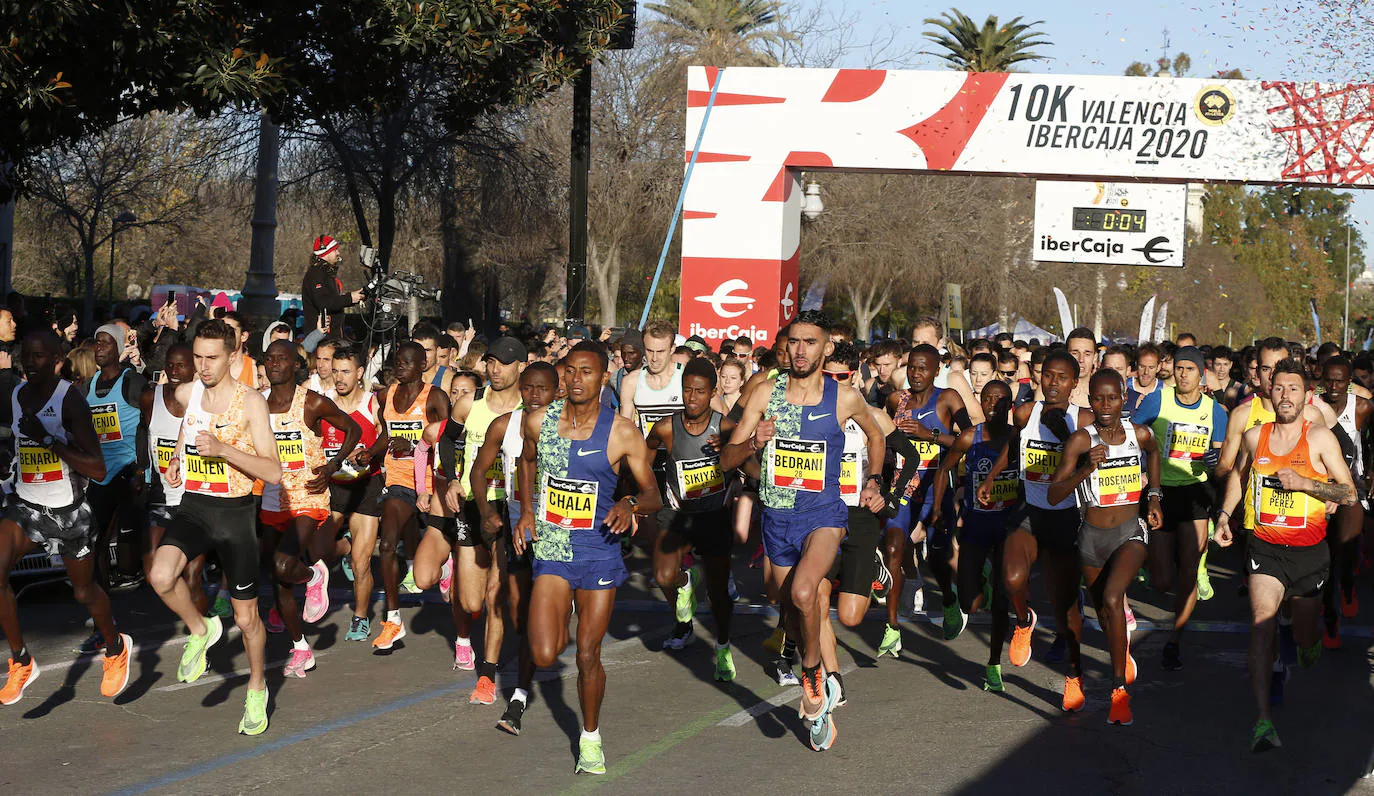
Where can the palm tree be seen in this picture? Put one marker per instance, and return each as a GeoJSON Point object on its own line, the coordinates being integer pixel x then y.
{"type": "Point", "coordinates": [990, 48]}
{"type": "Point", "coordinates": [721, 32]}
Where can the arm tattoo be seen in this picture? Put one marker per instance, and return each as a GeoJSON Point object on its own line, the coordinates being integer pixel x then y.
{"type": "Point", "coordinates": [1344, 494]}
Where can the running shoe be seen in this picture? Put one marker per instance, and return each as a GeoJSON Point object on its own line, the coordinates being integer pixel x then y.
{"type": "Point", "coordinates": [274, 621]}
{"type": "Point", "coordinates": [1331, 637]}
{"type": "Point", "coordinates": [484, 693]}
{"type": "Point", "coordinates": [114, 677]}
{"type": "Point", "coordinates": [882, 579]}
{"type": "Point", "coordinates": [1264, 737]}
{"type": "Point", "coordinates": [464, 659]}
{"type": "Point", "coordinates": [300, 662]}
{"type": "Point", "coordinates": [1170, 660]}
{"type": "Point", "coordinates": [222, 608]}
{"type": "Point", "coordinates": [1131, 669]}
{"type": "Point", "coordinates": [1204, 582]}
{"type": "Point", "coordinates": [955, 620]}
{"type": "Point", "coordinates": [192, 664]}
{"type": "Point", "coordinates": [774, 642]}
{"type": "Point", "coordinates": [1276, 683]}
{"type": "Point", "coordinates": [20, 677]}
{"type": "Point", "coordinates": [822, 731]}
{"type": "Point", "coordinates": [892, 642]}
{"type": "Point", "coordinates": [992, 679]}
{"type": "Point", "coordinates": [1121, 708]}
{"type": "Point", "coordinates": [681, 636]}
{"type": "Point", "coordinates": [1058, 649]}
{"type": "Point", "coordinates": [725, 665]}
{"type": "Point", "coordinates": [782, 672]}
{"type": "Point", "coordinates": [317, 596]}
{"type": "Point", "coordinates": [1130, 619]}
{"type": "Point", "coordinates": [392, 632]}
{"type": "Point", "coordinates": [93, 643]}
{"type": "Point", "coordinates": [686, 606]}
{"type": "Point", "coordinates": [408, 582]}
{"type": "Point", "coordinates": [1308, 656]}
{"type": "Point", "coordinates": [254, 721]}
{"type": "Point", "coordinates": [446, 579]}
{"type": "Point", "coordinates": [590, 758]}
{"type": "Point", "coordinates": [510, 720]}
{"type": "Point", "coordinates": [1073, 695]}
{"type": "Point", "coordinates": [358, 629]}
{"type": "Point", "coordinates": [1350, 605]}
{"type": "Point", "coordinates": [1020, 652]}
{"type": "Point", "coordinates": [839, 686]}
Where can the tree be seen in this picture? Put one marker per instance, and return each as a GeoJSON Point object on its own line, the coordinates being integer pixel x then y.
{"type": "Point", "coordinates": [991, 47]}
{"type": "Point", "coordinates": [720, 32]}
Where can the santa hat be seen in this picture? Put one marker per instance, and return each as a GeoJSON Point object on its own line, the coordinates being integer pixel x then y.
{"type": "Point", "coordinates": [324, 245]}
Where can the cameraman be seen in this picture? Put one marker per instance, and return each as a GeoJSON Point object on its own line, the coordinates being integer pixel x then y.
{"type": "Point", "coordinates": [322, 292]}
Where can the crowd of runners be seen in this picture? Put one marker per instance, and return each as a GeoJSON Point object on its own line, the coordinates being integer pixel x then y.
{"type": "Point", "coordinates": [223, 466]}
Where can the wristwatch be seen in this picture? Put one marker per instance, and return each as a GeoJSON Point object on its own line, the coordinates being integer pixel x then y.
{"type": "Point", "coordinates": [48, 440]}
{"type": "Point", "coordinates": [632, 500]}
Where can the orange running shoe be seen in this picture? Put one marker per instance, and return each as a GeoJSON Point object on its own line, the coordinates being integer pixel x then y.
{"type": "Point", "coordinates": [1073, 694]}
{"type": "Point", "coordinates": [813, 691]}
{"type": "Point", "coordinates": [1020, 652]}
{"type": "Point", "coordinates": [1121, 708]}
{"type": "Point", "coordinates": [115, 677]}
{"type": "Point", "coordinates": [484, 693]}
{"type": "Point", "coordinates": [392, 632]}
{"type": "Point", "coordinates": [1350, 607]}
{"type": "Point", "coordinates": [20, 677]}
{"type": "Point", "coordinates": [1130, 666]}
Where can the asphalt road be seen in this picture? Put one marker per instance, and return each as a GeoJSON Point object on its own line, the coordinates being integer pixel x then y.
{"type": "Point", "coordinates": [919, 724]}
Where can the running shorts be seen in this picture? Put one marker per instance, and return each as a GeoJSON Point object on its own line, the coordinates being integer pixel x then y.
{"type": "Point", "coordinates": [359, 497]}
{"type": "Point", "coordinates": [784, 533]}
{"type": "Point", "coordinates": [1055, 530]}
{"type": "Point", "coordinates": [1184, 504]}
{"type": "Point", "coordinates": [1302, 570]}
{"type": "Point", "coordinates": [602, 573]}
{"type": "Point", "coordinates": [68, 531]}
{"type": "Point", "coordinates": [857, 563]}
{"type": "Point", "coordinates": [710, 533]}
{"type": "Point", "coordinates": [225, 525]}
{"type": "Point", "coordinates": [1096, 545]}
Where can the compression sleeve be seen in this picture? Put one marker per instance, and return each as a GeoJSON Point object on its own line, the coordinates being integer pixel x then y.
{"type": "Point", "coordinates": [421, 462]}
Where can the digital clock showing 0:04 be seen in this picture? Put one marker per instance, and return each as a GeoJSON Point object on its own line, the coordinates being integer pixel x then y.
{"type": "Point", "coordinates": [1105, 219]}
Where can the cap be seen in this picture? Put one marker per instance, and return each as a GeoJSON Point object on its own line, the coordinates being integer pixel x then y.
{"type": "Point", "coordinates": [507, 350]}
{"type": "Point", "coordinates": [579, 333]}
{"type": "Point", "coordinates": [1189, 353]}
{"type": "Point", "coordinates": [633, 338]}
{"type": "Point", "coordinates": [696, 344]}
{"type": "Point", "coordinates": [272, 327]}
{"type": "Point", "coordinates": [115, 332]}
{"type": "Point", "coordinates": [324, 245]}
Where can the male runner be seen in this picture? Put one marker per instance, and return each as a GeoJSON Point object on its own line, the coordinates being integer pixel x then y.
{"type": "Point", "coordinates": [115, 395]}
{"type": "Point", "coordinates": [580, 447]}
{"type": "Point", "coordinates": [655, 390]}
{"type": "Point", "coordinates": [799, 426]}
{"type": "Point", "coordinates": [1189, 427]}
{"type": "Point", "coordinates": [503, 445]}
{"type": "Point", "coordinates": [295, 508]}
{"type": "Point", "coordinates": [216, 460]}
{"type": "Point", "coordinates": [58, 451]}
{"type": "Point", "coordinates": [1082, 346]}
{"type": "Point", "coordinates": [322, 379]}
{"type": "Point", "coordinates": [1146, 379]}
{"type": "Point", "coordinates": [1352, 417]}
{"type": "Point", "coordinates": [438, 375]}
{"type": "Point", "coordinates": [696, 516]}
{"type": "Point", "coordinates": [1293, 467]}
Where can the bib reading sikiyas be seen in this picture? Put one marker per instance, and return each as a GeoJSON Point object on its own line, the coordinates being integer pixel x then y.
{"type": "Point", "coordinates": [106, 420]}
{"type": "Point", "coordinates": [1188, 442]}
{"type": "Point", "coordinates": [206, 475]}
{"type": "Point", "coordinates": [799, 464]}
{"type": "Point", "coordinates": [570, 503]}
{"type": "Point", "coordinates": [290, 450]}
{"type": "Point", "coordinates": [699, 478]}
{"type": "Point", "coordinates": [37, 464]}
{"type": "Point", "coordinates": [1041, 460]}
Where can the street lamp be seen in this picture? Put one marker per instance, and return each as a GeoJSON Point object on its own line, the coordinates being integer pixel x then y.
{"type": "Point", "coordinates": [812, 206]}
{"type": "Point", "coordinates": [123, 219]}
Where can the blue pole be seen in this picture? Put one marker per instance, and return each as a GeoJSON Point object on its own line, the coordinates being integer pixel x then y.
{"type": "Point", "coordinates": [681, 197]}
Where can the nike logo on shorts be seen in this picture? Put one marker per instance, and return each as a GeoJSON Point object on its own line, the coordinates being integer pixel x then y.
{"type": "Point", "coordinates": [604, 582]}
{"type": "Point", "coordinates": [1253, 566]}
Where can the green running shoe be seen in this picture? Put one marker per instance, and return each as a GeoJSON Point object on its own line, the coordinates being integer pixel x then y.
{"type": "Point", "coordinates": [892, 642]}
{"type": "Point", "coordinates": [192, 664]}
{"type": "Point", "coordinates": [1308, 656]}
{"type": "Point", "coordinates": [992, 680]}
{"type": "Point", "coordinates": [686, 606]}
{"type": "Point", "coordinates": [359, 628]}
{"type": "Point", "coordinates": [408, 583]}
{"type": "Point", "coordinates": [590, 759]}
{"type": "Point", "coordinates": [254, 721]}
{"type": "Point", "coordinates": [955, 620]}
{"type": "Point", "coordinates": [222, 608]}
{"type": "Point", "coordinates": [1204, 582]}
{"type": "Point", "coordinates": [1265, 737]}
{"type": "Point", "coordinates": [725, 665]}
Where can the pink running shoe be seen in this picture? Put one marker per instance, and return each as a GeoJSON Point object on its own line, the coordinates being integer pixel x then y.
{"type": "Point", "coordinates": [463, 657]}
{"type": "Point", "coordinates": [317, 596]}
{"type": "Point", "coordinates": [274, 623]}
{"type": "Point", "coordinates": [446, 580]}
{"type": "Point", "coordinates": [301, 661]}
{"type": "Point", "coordinates": [1130, 619]}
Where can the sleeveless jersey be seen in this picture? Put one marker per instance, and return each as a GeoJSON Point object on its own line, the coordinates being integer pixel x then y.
{"type": "Point", "coordinates": [653, 405]}
{"type": "Point", "coordinates": [929, 452]}
{"type": "Point", "coordinates": [1185, 436]}
{"type": "Point", "coordinates": [408, 424]}
{"type": "Point", "coordinates": [438, 380]}
{"type": "Point", "coordinates": [1346, 420]}
{"type": "Point", "coordinates": [212, 475]}
{"type": "Point", "coordinates": [333, 439]}
{"type": "Point", "coordinates": [1257, 415]}
{"type": "Point", "coordinates": [1117, 481]}
{"type": "Point", "coordinates": [853, 463]}
{"type": "Point", "coordinates": [1281, 517]}
{"type": "Point", "coordinates": [982, 454]}
{"type": "Point", "coordinates": [116, 424]}
{"type": "Point", "coordinates": [801, 464]}
{"type": "Point", "coordinates": [163, 428]}
{"type": "Point", "coordinates": [577, 490]}
{"type": "Point", "coordinates": [300, 451]}
{"type": "Point", "coordinates": [512, 446]}
{"type": "Point", "coordinates": [695, 480]}
{"type": "Point", "coordinates": [480, 417]}
{"type": "Point", "coordinates": [1041, 454]}
{"type": "Point", "coordinates": [44, 479]}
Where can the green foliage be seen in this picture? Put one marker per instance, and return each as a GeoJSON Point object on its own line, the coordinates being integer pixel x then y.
{"type": "Point", "coordinates": [991, 47]}
{"type": "Point", "coordinates": [720, 32]}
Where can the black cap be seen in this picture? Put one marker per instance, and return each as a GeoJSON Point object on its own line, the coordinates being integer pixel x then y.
{"type": "Point", "coordinates": [579, 333]}
{"type": "Point", "coordinates": [507, 350]}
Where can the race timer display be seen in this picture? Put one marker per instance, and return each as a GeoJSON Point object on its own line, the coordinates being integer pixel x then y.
{"type": "Point", "coordinates": [1105, 219]}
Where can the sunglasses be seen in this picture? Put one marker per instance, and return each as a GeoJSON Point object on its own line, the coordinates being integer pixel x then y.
{"type": "Point", "coordinates": [839, 375]}
{"type": "Point", "coordinates": [1006, 373]}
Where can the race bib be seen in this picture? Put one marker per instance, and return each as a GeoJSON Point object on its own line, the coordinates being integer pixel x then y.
{"type": "Point", "coordinates": [799, 464]}
{"type": "Point", "coordinates": [166, 449]}
{"type": "Point", "coordinates": [648, 419]}
{"type": "Point", "coordinates": [406, 429]}
{"type": "Point", "coordinates": [290, 450]}
{"type": "Point", "coordinates": [1187, 441]}
{"type": "Point", "coordinates": [927, 456]}
{"type": "Point", "coordinates": [496, 480]}
{"type": "Point", "coordinates": [570, 503]}
{"type": "Point", "coordinates": [106, 419]}
{"type": "Point", "coordinates": [1004, 491]}
{"type": "Point", "coordinates": [1276, 507]}
{"type": "Point", "coordinates": [700, 478]}
{"type": "Point", "coordinates": [849, 474]}
{"type": "Point", "coordinates": [1118, 481]}
{"type": "Point", "coordinates": [37, 464]}
{"type": "Point", "coordinates": [1040, 460]}
{"type": "Point", "coordinates": [206, 475]}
